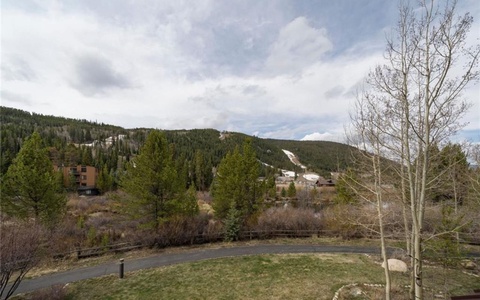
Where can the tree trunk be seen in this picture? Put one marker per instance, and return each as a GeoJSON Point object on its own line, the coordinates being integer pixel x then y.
{"type": "Point", "coordinates": [418, 266]}
{"type": "Point", "coordinates": [384, 253]}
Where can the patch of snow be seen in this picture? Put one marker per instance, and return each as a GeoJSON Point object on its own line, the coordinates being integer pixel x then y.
{"type": "Point", "coordinates": [311, 177]}
{"type": "Point", "coordinates": [265, 164]}
{"type": "Point", "coordinates": [290, 155]}
{"type": "Point", "coordinates": [288, 173]}
{"type": "Point", "coordinates": [293, 158]}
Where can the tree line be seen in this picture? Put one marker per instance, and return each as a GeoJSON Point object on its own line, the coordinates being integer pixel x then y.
{"type": "Point", "coordinates": [156, 183]}
{"type": "Point", "coordinates": [67, 140]}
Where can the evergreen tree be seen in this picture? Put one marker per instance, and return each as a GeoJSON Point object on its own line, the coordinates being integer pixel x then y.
{"type": "Point", "coordinates": [72, 185]}
{"type": "Point", "coordinates": [72, 156]}
{"type": "Point", "coordinates": [232, 224]}
{"type": "Point", "coordinates": [152, 181]}
{"type": "Point", "coordinates": [283, 193]}
{"type": "Point", "coordinates": [88, 136]}
{"type": "Point", "coordinates": [87, 158]}
{"type": "Point", "coordinates": [270, 187]}
{"type": "Point", "coordinates": [105, 180]}
{"type": "Point", "coordinates": [31, 186]}
{"type": "Point", "coordinates": [200, 176]}
{"type": "Point", "coordinates": [455, 173]}
{"type": "Point", "coordinates": [292, 191]}
{"type": "Point", "coordinates": [187, 205]}
{"type": "Point", "coordinates": [237, 183]}
{"type": "Point", "coordinates": [345, 188]}
{"type": "Point", "coordinates": [225, 186]}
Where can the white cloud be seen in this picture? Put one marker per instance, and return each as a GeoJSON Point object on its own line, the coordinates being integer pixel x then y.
{"type": "Point", "coordinates": [249, 66]}
{"type": "Point", "coordinates": [317, 136]}
{"type": "Point", "coordinates": [298, 45]}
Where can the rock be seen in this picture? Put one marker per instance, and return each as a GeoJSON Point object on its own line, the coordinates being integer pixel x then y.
{"type": "Point", "coordinates": [356, 292]}
{"type": "Point", "coordinates": [396, 265]}
{"type": "Point", "coordinates": [469, 265]}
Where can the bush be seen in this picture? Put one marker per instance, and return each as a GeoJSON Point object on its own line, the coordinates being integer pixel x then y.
{"type": "Point", "coordinates": [184, 230]}
{"type": "Point", "coordinates": [343, 220]}
{"type": "Point", "coordinates": [288, 219]}
{"type": "Point", "coordinates": [55, 292]}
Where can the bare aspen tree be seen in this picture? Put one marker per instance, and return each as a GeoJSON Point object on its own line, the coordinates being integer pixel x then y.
{"type": "Point", "coordinates": [414, 102]}
{"type": "Point", "coordinates": [19, 252]}
{"type": "Point", "coordinates": [369, 139]}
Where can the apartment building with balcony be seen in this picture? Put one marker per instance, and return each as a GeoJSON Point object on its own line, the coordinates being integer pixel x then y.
{"type": "Point", "coordinates": [84, 178]}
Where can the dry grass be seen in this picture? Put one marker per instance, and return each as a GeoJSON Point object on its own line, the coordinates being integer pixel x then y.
{"type": "Point", "coordinates": [286, 276]}
{"type": "Point", "coordinates": [49, 266]}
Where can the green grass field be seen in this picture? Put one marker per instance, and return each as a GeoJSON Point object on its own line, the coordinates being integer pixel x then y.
{"type": "Point", "coordinates": [288, 276]}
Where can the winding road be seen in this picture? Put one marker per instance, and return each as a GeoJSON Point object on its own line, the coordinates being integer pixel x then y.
{"type": "Point", "coordinates": [159, 260]}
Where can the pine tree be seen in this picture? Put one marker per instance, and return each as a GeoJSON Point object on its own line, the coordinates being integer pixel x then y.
{"type": "Point", "coordinates": [105, 180]}
{"type": "Point", "coordinates": [87, 158]}
{"type": "Point", "coordinates": [292, 191]}
{"type": "Point", "coordinates": [31, 186]}
{"type": "Point", "coordinates": [283, 193]}
{"type": "Point", "coordinates": [152, 181]}
{"type": "Point", "coordinates": [270, 187]}
{"type": "Point", "coordinates": [232, 224]}
{"type": "Point", "coordinates": [199, 163]}
{"type": "Point", "coordinates": [237, 182]}
{"type": "Point", "coordinates": [187, 205]}
{"type": "Point", "coordinates": [345, 188]}
{"type": "Point", "coordinates": [225, 185]}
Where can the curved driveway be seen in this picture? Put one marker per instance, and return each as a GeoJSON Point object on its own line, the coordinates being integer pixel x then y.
{"type": "Point", "coordinates": [159, 260]}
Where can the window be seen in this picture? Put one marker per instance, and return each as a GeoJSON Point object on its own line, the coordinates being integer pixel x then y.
{"type": "Point", "coordinates": [84, 177]}
{"type": "Point", "coordinates": [84, 169]}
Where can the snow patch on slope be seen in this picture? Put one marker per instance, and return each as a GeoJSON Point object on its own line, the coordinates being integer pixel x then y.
{"type": "Point", "coordinates": [311, 177]}
{"type": "Point", "coordinates": [293, 158]}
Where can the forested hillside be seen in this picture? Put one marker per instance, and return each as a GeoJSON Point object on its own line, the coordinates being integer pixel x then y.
{"type": "Point", "coordinates": [319, 156]}
{"type": "Point", "coordinates": [72, 141]}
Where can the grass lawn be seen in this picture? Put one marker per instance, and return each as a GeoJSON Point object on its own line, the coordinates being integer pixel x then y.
{"type": "Point", "coordinates": [287, 276]}
{"type": "Point", "coordinates": [50, 265]}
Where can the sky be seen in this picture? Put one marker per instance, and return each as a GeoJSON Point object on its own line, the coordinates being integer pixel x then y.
{"type": "Point", "coordinates": [281, 69]}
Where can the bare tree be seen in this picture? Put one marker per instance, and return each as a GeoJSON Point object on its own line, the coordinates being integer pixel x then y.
{"type": "Point", "coordinates": [19, 253]}
{"type": "Point", "coordinates": [475, 173]}
{"type": "Point", "coordinates": [413, 102]}
{"type": "Point", "coordinates": [368, 137]}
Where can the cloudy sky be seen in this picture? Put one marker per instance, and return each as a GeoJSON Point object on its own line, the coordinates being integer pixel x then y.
{"type": "Point", "coordinates": [275, 69]}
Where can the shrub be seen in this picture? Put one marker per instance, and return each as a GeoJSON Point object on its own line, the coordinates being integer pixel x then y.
{"type": "Point", "coordinates": [55, 292]}
{"type": "Point", "coordinates": [232, 225]}
{"type": "Point", "coordinates": [288, 219]}
{"type": "Point", "coordinates": [185, 230]}
{"type": "Point", "coordinates": [342, 220]}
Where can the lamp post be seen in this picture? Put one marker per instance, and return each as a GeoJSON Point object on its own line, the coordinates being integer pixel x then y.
{"type": "Point", "coordinates": [121, 268]}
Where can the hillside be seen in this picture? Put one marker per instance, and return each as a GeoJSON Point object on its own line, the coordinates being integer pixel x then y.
{"type": "Point", "coordinates": [67, 139]}
{"type": "Point", "coordinates": [319, 156]}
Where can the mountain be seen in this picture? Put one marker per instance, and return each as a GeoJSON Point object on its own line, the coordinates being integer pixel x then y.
{"type": "Point", "coordinates": [73, 141]}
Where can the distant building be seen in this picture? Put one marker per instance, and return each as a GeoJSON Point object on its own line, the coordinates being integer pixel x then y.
{"type": "Point", "coordinates": [324, 182]}
{"type": "Point", "coordinates": [84, 177]}
{"type": "Point", "coordinates": [88, 191]}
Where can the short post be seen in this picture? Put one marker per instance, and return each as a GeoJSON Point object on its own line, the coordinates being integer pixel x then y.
{"type": "Point", "coordinates": [121, 268]}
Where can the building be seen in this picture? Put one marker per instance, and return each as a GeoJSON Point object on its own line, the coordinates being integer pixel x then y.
{"type": "Point", "coordinates": [324, 182]}
{"type": "Point", "coordinates": [84, 178]}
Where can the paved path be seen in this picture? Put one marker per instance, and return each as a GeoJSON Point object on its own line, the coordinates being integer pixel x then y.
{"type": "Point", "coordinates": [159, 260]}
